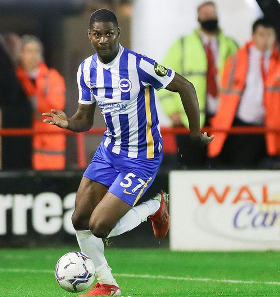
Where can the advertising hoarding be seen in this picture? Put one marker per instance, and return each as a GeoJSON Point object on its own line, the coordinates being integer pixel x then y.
{"type": "Point", "coordinates": [225, 210]}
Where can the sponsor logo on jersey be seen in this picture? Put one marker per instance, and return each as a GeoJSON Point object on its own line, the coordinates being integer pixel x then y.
{"type": "Point", "coordinates": [107, 107]}
{"type": "Point", "coordinates": [160, 70]}
{"type": "Point", "coordinates": [125, 85]}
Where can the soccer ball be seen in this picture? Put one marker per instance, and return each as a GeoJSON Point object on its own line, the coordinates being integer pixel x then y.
{"type": "Point", "coordinates": [74, 272]}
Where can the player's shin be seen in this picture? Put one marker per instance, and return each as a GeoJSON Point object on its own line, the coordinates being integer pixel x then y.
{"type": "Point", "coordinates": [94, 248]}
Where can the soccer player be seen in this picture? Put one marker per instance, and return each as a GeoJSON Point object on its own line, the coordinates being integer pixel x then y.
{"type": "Point", "coordinates": [126, 162]}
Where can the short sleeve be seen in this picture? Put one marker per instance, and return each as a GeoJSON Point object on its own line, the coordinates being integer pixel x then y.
{"type": "Point", "coordinates": [85, 94]}
{"type": "Point", "coordinates": [154, 74]}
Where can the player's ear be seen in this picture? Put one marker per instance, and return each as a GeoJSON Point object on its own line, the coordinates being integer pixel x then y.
{"type": "Point", "coordinates": [88, 33]}
{"type": "Point", "coordinates": [119, 32]}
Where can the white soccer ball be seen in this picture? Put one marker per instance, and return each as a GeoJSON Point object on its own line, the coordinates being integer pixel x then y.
{"type": "Point", "coordinates": [74, 272]}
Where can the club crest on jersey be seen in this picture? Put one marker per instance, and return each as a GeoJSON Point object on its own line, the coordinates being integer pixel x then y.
{"type": "Point", "coordinates": [160, 70]}
{"type": "Point", "coordinates": [125, 85]}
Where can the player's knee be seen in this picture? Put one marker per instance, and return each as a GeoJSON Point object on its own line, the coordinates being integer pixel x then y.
{"type": "Point", "coordinates": [79, 222]}
{"type": "Point", "coordinates": [99, 229]}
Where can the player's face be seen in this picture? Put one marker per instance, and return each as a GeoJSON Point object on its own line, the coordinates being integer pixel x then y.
{"type": "Point", "coordinates": [104, 37]}
{"type": "Point", "coordinates": [31, 55]}
{"type": "Point", "coordinates": [264, 38]}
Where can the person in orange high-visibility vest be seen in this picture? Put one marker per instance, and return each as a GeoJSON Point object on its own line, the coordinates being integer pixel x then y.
{"type": "Point", "coordinates": [250, 96]}
{"type": "Point", "coordinates": [46, 89]}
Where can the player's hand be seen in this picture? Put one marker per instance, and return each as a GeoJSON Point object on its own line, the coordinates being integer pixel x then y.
{"type": "Point", "coordinates": [202, 140]}
{"type": "Point", "coordinates": [57, 118]}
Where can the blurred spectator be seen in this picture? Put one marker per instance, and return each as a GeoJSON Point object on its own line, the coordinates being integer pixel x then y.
{"type": "Point", "coordinates": [15, 112]}
{"type": "Point", "coordinates": [250, 96]}
{"type": "Point", "coordinates": [46, 90]}
{"type": "Point", "coordinates": [199, 57]}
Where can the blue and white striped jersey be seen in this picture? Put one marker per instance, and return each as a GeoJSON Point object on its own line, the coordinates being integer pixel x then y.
{"type": "Point", "coordinates": [124, 90]}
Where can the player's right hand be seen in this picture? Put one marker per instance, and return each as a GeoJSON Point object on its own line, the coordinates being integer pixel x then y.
{"type": "Point", "coordinates": [56, 117]}
{"type": "Point", "coordinates": [203, 139]}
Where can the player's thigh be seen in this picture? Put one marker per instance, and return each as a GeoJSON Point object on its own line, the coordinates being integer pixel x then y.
{"type": "Point", "coordinates": [107, 213]}
{"type": "Point", "coordinates": [123, 194]}
{"type": "Point", "coordinates": [89, 195]}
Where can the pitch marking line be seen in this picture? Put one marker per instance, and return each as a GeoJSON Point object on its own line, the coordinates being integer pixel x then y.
{"type": "Point", "coordinates": [164, 277]}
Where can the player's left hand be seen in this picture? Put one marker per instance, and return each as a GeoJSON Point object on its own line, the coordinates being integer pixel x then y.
{"type": "Point", "coordinates": [203, 139]}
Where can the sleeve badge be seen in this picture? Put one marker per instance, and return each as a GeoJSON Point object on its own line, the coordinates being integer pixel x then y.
{"type": "Point", "coordinates": [160, 70]}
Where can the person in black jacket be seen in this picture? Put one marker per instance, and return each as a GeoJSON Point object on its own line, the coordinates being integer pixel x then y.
{"type": "Point", "coordinates": [15, 112]}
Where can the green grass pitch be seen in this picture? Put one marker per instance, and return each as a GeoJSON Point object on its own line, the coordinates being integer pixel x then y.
{"type": "Point", "coordinates": [149, 272]}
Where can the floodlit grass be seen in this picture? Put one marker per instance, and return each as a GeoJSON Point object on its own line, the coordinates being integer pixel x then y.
{"type": "Point", "coordinates": [149, 272]}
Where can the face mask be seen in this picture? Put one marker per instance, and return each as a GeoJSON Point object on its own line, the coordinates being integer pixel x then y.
{"type": "Point", "coordinates": [210, 25]}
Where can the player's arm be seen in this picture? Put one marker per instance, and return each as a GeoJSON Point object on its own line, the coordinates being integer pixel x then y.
{"type": "Point", "coordinates": [81, 121]}
{"type": "Point", "coordinates": [189, 100]}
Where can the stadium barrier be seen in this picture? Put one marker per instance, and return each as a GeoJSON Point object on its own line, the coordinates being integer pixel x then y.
{"type": "Point", "coordinates": [165, 131]}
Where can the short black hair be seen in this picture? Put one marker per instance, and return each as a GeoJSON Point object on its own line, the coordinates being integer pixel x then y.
{"type": "Point", "coordinates": [265, 22]}
{"type": "Point", "coordinates": [103, 15]}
